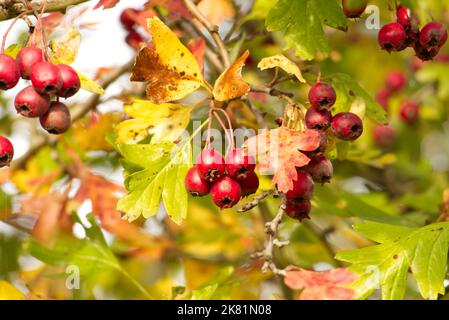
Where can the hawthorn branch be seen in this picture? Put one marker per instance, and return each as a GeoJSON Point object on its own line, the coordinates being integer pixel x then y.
{"type": "Point", "coordinates": [212, 29]}
{"type": "Point", "coordinates": [10, 9]}
{"type": "Point", "coordinates": [257, 200]}
{"type": "Point", "coordinates": [79, 113]}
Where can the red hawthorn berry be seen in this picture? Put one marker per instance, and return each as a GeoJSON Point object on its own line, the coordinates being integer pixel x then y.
{"type": "Point", "coordinates": [226, 192]}
{"type": "Point", "coordinates": [354, 8]}
{"type": "Point", "coordinates": [134, 39]}
{"type": "Point", "coordinates": [30, 103]}
{"type": "Point", "coordinates": [238, 164]}
{"type": "Point", "coordinates": [409, 112]}
{"type": "Point", "coordinates": [298, 210]}
{"type": "Point", "coordinates": [382, 97]}
{"type": "Point", "coordinates": [45, 77]}
{"type": "Point", "coordinates": [6, 151]}
{"type": "Point", "coordinates": [303, 187]}
{"type": "Point", "coordinates": [384, 135]}
{"type": "Point", "coordinates": [128, 18]}
{"type": "Point", "coordinates": [195, 185]}
{"type": "Point", "coordinates": [320, 169]}
{"type": "Point", "coordinates": [9, 72]}
{"type": "Point", "coordinates": [425, 54]}
{"type": "Point", "coordinates": [71, 82]}
{"type": "Point", "coordinates": [27, 58]}
{"type": "Point", "coordinates": [392, 37]}
{"type": "Point", "coordinates": [250, 184]}
{"type": "Point", "coordinates": [57, 119]}
{"type": "Point", "coordinates": [318, 119]}
{"type": "Point", "coordinates": [433, 35]}
{"type": "Point", "coordinates": [347, 126]}
{"type": "Point", "coordinates": [322, 95]}
{"type": "Point", "coordinates": [395, 81]}
{"type": "Point", "coordinates": [211, 165]}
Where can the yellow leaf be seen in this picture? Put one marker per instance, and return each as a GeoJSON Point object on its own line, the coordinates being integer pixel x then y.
{"type": "Point", "coordinates": [280, 61]}
{"type": "Point", "coordinates": [166, 122]}
{"type": "Point", "coordinates": [89, 85]}
{"type": "Point", "coordinates": [9, 292]}
{"type": "Point", "coordinates": [13, 50]}
{"type": "Point", "coordinates": [170, 70]}
{"type": "Point", "coordinates": [65, 50]}
{"type": "Point", "coordinates": [230, 84]}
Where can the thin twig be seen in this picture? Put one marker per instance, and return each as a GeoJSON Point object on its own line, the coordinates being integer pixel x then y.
{"type": "Point", "coordinates": [256, 200]}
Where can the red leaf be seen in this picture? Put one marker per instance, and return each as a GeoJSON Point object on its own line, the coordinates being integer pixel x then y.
{"type": "Point", "coordinates": [106, 4]}
{"type": "Point", "coordinates": [176, 8]}
{"type": "Point", "coordinates": [198, 48]}
{"type": "Point", "coordinates": [321, 285]}
{"type": "Point", "coordinates": [279, 151]}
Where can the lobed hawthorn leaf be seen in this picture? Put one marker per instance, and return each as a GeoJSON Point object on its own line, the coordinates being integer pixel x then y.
{"type": "Point", "coordinates": [279, 151]}
{"type": "Point", "coordinates": [165, 122]}
{"type": "Point", "coordinates": [230, 84]}
{"type": "Point", "coordinates": [170, 70]}
{"type": "Point", "coordinates": [386, 265]}
{"type": "Point", "coordinates": [302, 22]}
{"type": "Point", "coordinates": [158, 171]}
{"type": "Point", "coordinates": [64, 51]}
{"type": "Point", "coordinates": [281, 61]}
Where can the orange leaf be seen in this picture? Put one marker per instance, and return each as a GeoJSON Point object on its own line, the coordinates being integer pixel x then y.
{"type": "Point", "coordinates": [279, 152]}
{"type": "Point", "coordinates": [323, 285]}
{"type": "Point", "coordinates": [230, 84]}
{"type": "Point", "coordinates": [198, 48]}
{"type": "Point", "coordinates": [106, 4]}
{"type": "Point", "coordinates": [217, 11]}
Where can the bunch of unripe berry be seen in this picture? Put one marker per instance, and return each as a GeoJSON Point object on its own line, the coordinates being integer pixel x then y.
{"type": "Point", "coordinates": [405, 32]}
{"type": "Point", "coordinates": [227, 180]}
{"type": "Point", "coordinates": [128, 21]}
{"type": "Point", "coordinates": [35, 101]}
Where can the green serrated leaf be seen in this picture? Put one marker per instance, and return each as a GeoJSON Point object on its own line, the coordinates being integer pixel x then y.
{"type": "Point", "coordinates": [348, 91]}
{"type": "Point", "coordinates": [385, 265]}
{"type": "Point", "coordinates": [302, 22]}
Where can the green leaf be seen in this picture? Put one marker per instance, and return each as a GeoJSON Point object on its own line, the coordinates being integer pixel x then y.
{"type": "Point", "coordinates": [163, 170]}
{"type": "Point", "coordinates": [302, 22]}
{"type": "Point", "coordinates": [349, 92]}
{"type": "Point", "coordinates": [89, 85]}
{"type": "Point", "coordinates": [260, 10]}
{"type": "Point", "coordinates": [436, 72]}
{"type": "Point", "coordinates": [13, 50]}
{"type": "Point", "coordinates": [385, 265]}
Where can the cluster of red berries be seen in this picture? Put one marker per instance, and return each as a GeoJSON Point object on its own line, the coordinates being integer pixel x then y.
{"type": "Point", "coordinates": [226, 180]}
{"type": "Point", "coordinates": [397, 36]}
{"type": "Point", "coordinates": [35, 101]}
{"type": "Point", "coordinates": [128, 21]}
{"type": "Point", "coordinates": [346, 126]}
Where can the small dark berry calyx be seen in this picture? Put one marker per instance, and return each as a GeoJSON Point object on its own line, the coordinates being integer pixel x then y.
{"type": "Point", "coordinates": [303, 187]}
{"type": "Point", "coordinates": [425, 54]}
{"type": "Point", "coordinates": [250, 184]}
{"type": "Point", "coordinates": [30, 103]}
{"type": "Point", "coordinates": [347, 126]}
{"type": "Point", "coordinates": [320, 169]}
{"type": "Point", "coordinates": [6, 152]}
{"type": "Point", "coordinates": [9, 72]}
{"type": "Point", "coordinates": [195, 185]}
{"type": "Point", "coordinates": [45, 78]}
{"type": "Point", "coordinates": [239, 164]}
{"type": "Point", "coordinates": [226, 193]}
{"type": "Point", "coordinates": [318, 119]}
{"type": "Point", "coordinates": [322, 95]}
{"type": "Point", "coordinates": [392, 37]}
{"type": "Point", "coordinates": [70, 81]}
{"type": "Point", "coordinates": [27, 58]}
{"type": "Point", "coordinates": [409, 112]}
{"type": "Point", "coordinates": [354, 8]}
{"type": "Point", "coordinates": [433, 35]}
{"type": "Point", "coordinates": [384, 135]}
{"type": "Point", "coordinates": [57, 119]}
{"type": "Point", "coordinates": [211, 165]}
{"type": "Point", "coordinates": [298, 210]}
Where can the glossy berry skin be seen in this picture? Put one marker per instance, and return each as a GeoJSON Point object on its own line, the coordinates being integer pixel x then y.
{"type": "Point", "coordinates": [409, 112]}
{"type": "Point", "coordinates": [404, 16]}
{"type": "Point", "coordinates": [45, 78]}
{"type": "Point", "coordinates": [392, 37]}
{"type": "Point", "coordinates": [30, 103]}
{"type": "Point", "coordinates": [226, 192]}
{"type": "Point", "coordinates": [195, 185]}
{"type": "Point", "coordinates": [303, 188]}
{"type": "Point", "coordinates": [320, 169]}
{"type": "Point", "coordinates": [433, 35]}
{"type": "Point", "coordinates": [384, 135]}
{"type": "Point", "coordinates": [250, 184]}
{"type": "Point", "coordinates": [395, 81]}
{"type": "Point", "coordinates": [238, 164]}
{"type": "Point", "coordinates": [322, 95]}
{"type": "Point", "coordinates": [134, 39]}
{"type": "Point", "coordinates": [299, 210]}
{"type": "Point", "coordinates": [27, 58]}
{"type": "Point", "coordinates": [57, 119]}
{"type": "Point", "coordinates": [318, 119]}
{"type": "Point", "coordinates": [9, 72]}
{"type": "Point", "coordinates": [211, 165]}
{"type": "Point", "coordinates": [354, 8]}
{"type": "Point", "coordinates": [127, 18]}
{"type": "Point", "coordinates": [71, 82]}
{"type": "Point", "coordinates": [6, 151]}
{"type": "Point", "coordinates": [347, 126]}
